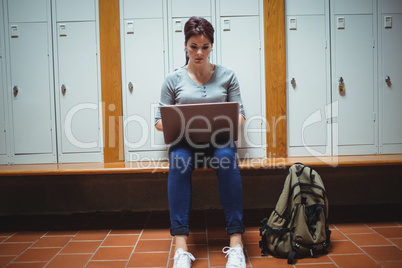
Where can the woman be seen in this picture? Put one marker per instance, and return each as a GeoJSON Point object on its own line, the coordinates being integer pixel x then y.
{"type": "Point", "coordinates": [200, 81]}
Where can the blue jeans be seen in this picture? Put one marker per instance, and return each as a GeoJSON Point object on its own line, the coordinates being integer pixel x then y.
{"type": "Point", "coordinates": [183, 159]}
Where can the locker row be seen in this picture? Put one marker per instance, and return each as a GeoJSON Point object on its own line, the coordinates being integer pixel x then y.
{"type": "Point", "coordinates": [50, 73]}
{"type": "Point", "coordinates": [50, 82]}
{"type": "Point", "coordinates": [238, 39]}
{"type": "Point", "coordinates": [344, 86]}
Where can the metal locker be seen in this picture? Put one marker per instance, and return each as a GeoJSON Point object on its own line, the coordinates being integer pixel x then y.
{"type": "Point", "coordinates": [75, 10]}
{"type": "Point", "coordinates": [238, 7]}
{"type": "Point", "coordinates": [31, 92]}
{"type": "Point", "coordinates": [189, 8]}
{"type": "Point", "coordinates": [390, 80]}
{"type": "Point", "coordinates": [353, 80]}
{"type": "Point", "coordinates": [77, 92]}
{"type": "Point", "coordinates": [240, 49]}
{"type": "Point", "coordinates": [3, 97]}
{"type": "Point", "coordinates": [307, 89]}
{"type": "Point", "coordinates": [177, 44]}
{"type": "Point", "coordinates": [144, 72]}
{"type": "Point", "coordinates": [306, 7]}
{"type": "Point", "coordinates": [28, 10]}
{"type": "Point", "coordinates": [141, 9]}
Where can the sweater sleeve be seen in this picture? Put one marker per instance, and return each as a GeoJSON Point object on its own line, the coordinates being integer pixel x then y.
{"type": "Point", "coordinates": [167, 95]}
{"type": "Point", "coordinates": [234, 93]}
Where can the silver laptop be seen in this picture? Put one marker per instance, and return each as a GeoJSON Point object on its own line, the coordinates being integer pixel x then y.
{"type": "Point", "coordinates": [200, 123]}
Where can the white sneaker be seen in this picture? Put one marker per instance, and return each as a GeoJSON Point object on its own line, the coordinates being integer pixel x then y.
{"type": "Point", "coordinates": [182, 259]}
{"type": "Point", "coordinates": [236, 258]}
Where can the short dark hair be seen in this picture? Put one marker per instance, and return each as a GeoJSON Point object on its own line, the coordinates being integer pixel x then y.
{"type": "Point", "coordinates": [198, 26]}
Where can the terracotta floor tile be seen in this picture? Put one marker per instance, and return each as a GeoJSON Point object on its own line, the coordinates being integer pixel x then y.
{"type": "Point", "coordinates": [391, 232]}
{"type": "Point", "coordinates": [354, 261]}
{"type": "Point", "coordinates": [217, 259]}
{"type": "Point", "coordinates": [384, 253]}
{"type": "Point", "coordinates": [25, 237]}
{"type": "Point", "coordinates": [198, 251]}
{"type": "Point", "coordinates": [269, 262]}
{"type": "Point", "coordinates": [217, 244]}
{"type": "Point", "coordinates": [391, 264]}
{"type": "Point", "coordinates": [251, 237]}
{"type": "Point", "coordinates": [4, 260]}
{"type": "Point", "coordinates": [127, 229]}
{"type": "Point", "coordinates": [13, 249]}
{"type": "Point", "coordinates": [148, 260]}
{"type": "Point", "coordinates": [68, 261]}
{"type": "Point", "coordinates": [52, 242]}
{"type": "Point", "coordinates": [382, 224]}
{"type": "Point", "coordinates": [91, 235]}
{"type": "Point", "coordinates": [120, 240]}
{"type": "Point", "coordinates": [153, 246]}
{"type": "Point", "coordinates": [199, 263]}
{"type": "Point", "coordinates": [369, 239]}
{"type": "Point", "coordinates": [337, 235]}
{"type": "Point", "coordinates": [113, 253]}
{"type": "Point", "coordinates": [27, 265]}
{"type": "Point", "coordinates": [319, 259]}
{"type": "Point", "coordinates": [397, 242]}
{"type": "Point", "coordinates": [353, 228]}
{"type": "Point", "coordinates": [37, 254]}
{"type": "Point", "coordinates": [192, 239]}
{"type": "Point", "coordinates": [343, 247]}
{"type": "Point", "coordinates": [65, 232]}
{"type": "Point", "coordinates": [253, 250]}
{"type": "Point", "coordinates": [106, 264]}
{"type": "Point", "coordinates": [156, 234]}
{"type": "Point", "coordinates": [321, 265]}
{"type": "Point", "coordinates": [81, 247]}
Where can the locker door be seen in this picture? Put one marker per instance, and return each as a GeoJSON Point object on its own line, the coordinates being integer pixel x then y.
{"type": "Point", "coordinates": [238, 7]}
{"type": "Point", "coordinates": [189, 8]}
{"type": "Point", "coordinates": [354, 67]}
{"type": "Point", "coordinates": [142, 9]}
{"type": "Point", "coordinates": [3, 144]}
{"type": "Point", "coordinates": [391, 92]}
{"type": "Point", "coordinates": [240, 50]}
{"type": "Point", "coordinates": [3, 103]}
{"type": "Point", "coordinates": [28, 10]}
{"type": "Point", "coordinates": [307, 83]}
{"type": "Point", "coordinates": [179, 57]}
{"type": "Point", "coordinates": [75, 10]}
{"type": "Point", "coordinates": [144, 74]}
{"type": "Point", "coordinates": [77, 90]}
{"type": "Point", "coordinates": [31, 96]}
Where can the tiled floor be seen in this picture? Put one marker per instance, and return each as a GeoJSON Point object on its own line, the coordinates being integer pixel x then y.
{"type": "Point", "coordinates": [361, 237]}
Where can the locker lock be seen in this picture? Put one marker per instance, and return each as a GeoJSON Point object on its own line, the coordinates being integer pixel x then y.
{"type": "Point", "coordinates": [293, 82]}
{"type": "Point", "coordinates": [388, 81]}
{"type": "Point", "coordinates": [15, 91]}
{"type": "Point", "coordinates": [341, 86]}
{"type": "Point", "coordinates": [130, 87]}
{"type": "Point", "coordinates": [63, 89]}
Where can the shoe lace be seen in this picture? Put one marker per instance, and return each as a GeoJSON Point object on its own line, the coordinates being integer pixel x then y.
{"type": "Point", "coordinates": [234, 255]}
{"type": "Point", "coordinates": [181, 259]}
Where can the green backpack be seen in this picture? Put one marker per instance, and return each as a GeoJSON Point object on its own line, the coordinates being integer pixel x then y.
{"type": "Point", "coordinates": [298, 226]}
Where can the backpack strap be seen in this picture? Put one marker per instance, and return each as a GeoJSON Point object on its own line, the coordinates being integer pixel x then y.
{"type": "Point", "coordinates": [291, 256]}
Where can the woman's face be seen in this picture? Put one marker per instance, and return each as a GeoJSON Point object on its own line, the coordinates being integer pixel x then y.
{"type": "Point", "coordinates": [198, 48]}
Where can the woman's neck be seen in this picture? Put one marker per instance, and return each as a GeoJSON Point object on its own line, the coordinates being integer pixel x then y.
{"type": "Point", "coordinates": [200, 70]}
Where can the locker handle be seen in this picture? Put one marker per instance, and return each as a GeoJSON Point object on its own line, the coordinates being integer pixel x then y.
{"type": "Point", "coordinates": [341, 86]}
{"type": "Point", "coordinates": [63, 89]}
{"type": "Point", "coordinates": [130, 87]}
{"type": "Point", "coordinates": [388, 81]}
{"type": "Point", "coordinates": [15, 91]}
{"type": "Point", "coordinates": [293, 82]}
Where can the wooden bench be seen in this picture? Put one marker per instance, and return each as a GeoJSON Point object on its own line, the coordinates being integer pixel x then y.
{"type": "Point", "coordinates": [152, 167]}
